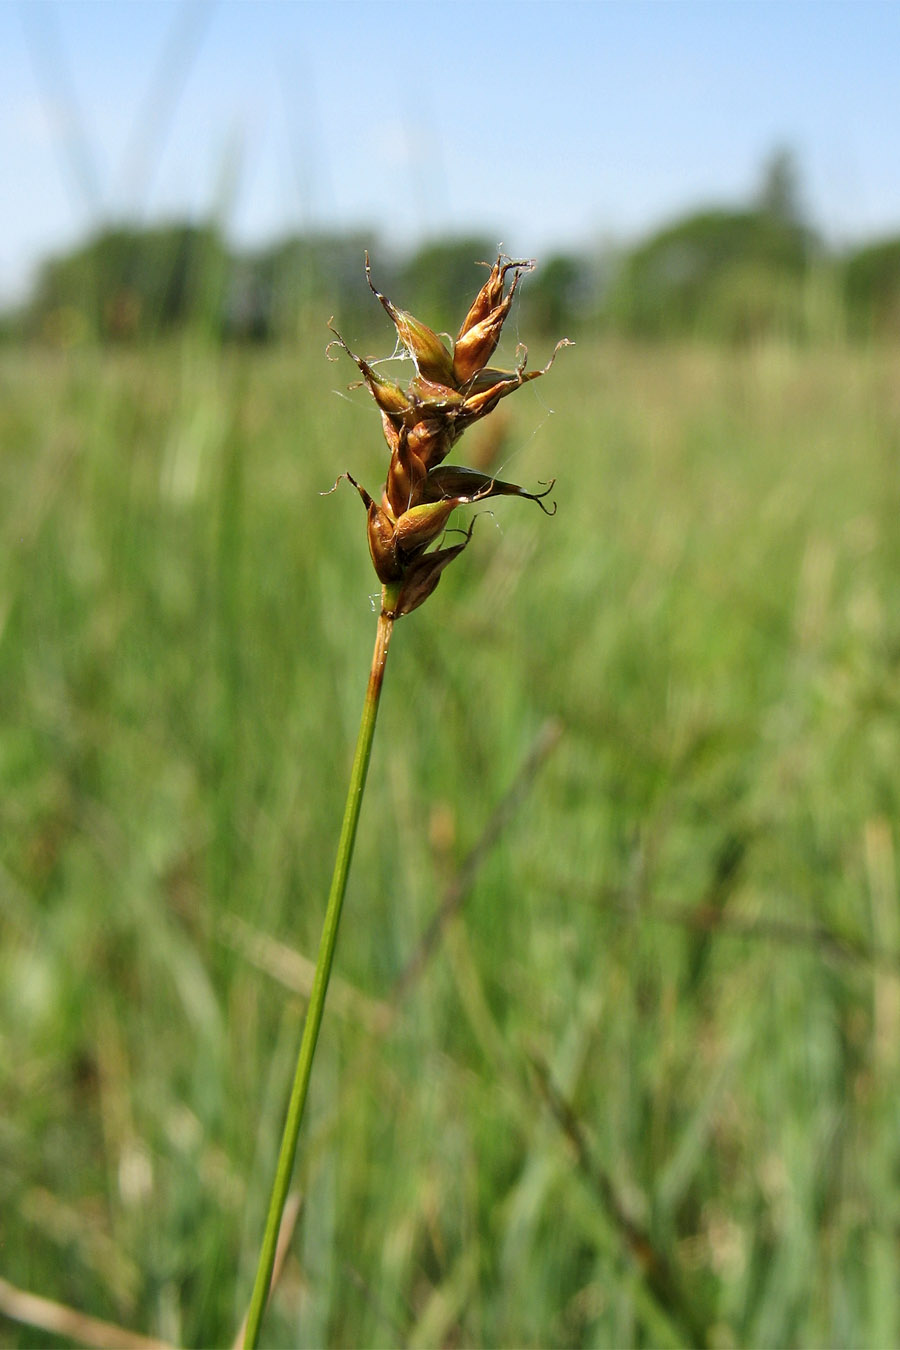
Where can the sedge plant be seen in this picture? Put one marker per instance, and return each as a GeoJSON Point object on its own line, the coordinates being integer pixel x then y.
{"type": "Point", "coordinates": [453, 386]}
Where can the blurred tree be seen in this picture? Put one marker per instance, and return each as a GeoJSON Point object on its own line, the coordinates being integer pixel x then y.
{"type": "Point", "coordinates": [750, 299]}
{"type": "Point", "coordinates": [871, 277]}
{"type": "Point", "coordinates": [560, 294]}
{"type": "Point", "coordinates": [303, 280]}
{"type": "Point", "coordinates": [728, 274]}
{"type": "Point", "coordinates": [130, 283]}
{"type": "Point", "coordinates": [668, 285]}
{"type": "Point", "coordinates": [779, 194]}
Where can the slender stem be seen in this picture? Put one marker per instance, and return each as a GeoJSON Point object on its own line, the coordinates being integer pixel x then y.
{"type": "Point", "coordinates": [320, 984]}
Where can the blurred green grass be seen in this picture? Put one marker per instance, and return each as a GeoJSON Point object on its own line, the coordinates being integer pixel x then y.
{"type": "Point", "coordinates": [671, 996]}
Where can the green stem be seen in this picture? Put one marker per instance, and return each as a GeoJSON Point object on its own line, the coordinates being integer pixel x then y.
{"type": "Point", "coordinates": [320, 984]}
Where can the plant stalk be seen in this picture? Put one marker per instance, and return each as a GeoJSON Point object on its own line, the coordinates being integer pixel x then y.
{"type": "Point", "coordinates": [316, 1006]}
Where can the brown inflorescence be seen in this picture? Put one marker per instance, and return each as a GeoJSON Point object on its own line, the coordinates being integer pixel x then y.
{"type": "Point", "coordinates": [450, 390]}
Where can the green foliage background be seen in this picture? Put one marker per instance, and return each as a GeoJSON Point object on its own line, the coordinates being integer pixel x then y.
{"type": "Point", "coordinates": [670, 996]}
{"type": "Point", "coordinates": [722, 275]}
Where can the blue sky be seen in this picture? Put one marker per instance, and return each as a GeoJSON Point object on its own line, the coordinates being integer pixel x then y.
{"type": "Point", "coordinates": [545, 123]}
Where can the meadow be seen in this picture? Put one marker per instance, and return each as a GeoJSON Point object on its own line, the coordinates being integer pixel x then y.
{"type": "Point", "coordinates": [613, 1052]}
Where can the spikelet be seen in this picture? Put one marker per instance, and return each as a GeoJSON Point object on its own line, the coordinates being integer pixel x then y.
{"type": "Point", "coordinates": [449, 392]}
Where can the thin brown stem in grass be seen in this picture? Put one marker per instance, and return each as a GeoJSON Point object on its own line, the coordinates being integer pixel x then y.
{"type": "Point", "coordinates": [60, 1320]}
{"type": "Point", "coordinates": [659, 1275]}
{"type": "Point", "coordinates": [779, 932]}
{"type": "Point", "coordinates": [285, 1233]}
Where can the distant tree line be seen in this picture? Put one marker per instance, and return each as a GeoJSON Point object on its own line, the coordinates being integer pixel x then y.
{"type": "Point", "coordinates": [726, 275]}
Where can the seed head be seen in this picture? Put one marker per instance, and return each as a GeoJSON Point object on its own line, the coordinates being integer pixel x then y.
{"type": "Point", "coordinates": [448, 393]}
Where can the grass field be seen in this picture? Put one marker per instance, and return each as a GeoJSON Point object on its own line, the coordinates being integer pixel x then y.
{"type": "Point", "coordinates": [643, 1085]}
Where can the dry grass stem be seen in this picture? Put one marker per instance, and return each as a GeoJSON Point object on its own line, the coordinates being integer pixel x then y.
{"type": "Point", "coordinates": [60, 1320]}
